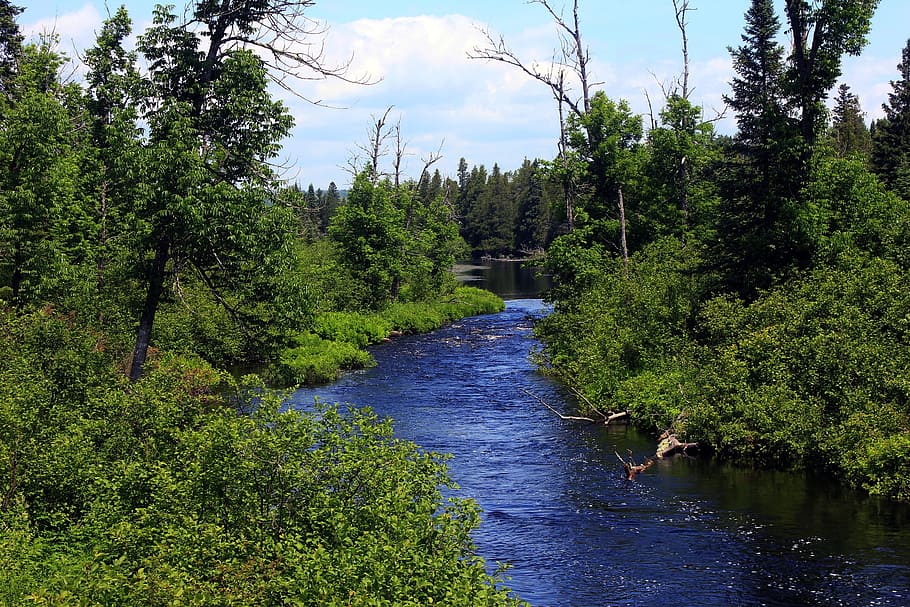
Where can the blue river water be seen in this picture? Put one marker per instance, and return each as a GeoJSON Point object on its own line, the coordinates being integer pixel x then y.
{"type": "Point", "coordinates": [557, 508]}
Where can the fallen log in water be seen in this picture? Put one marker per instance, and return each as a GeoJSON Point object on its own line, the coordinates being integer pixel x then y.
{"type": "Point", "coordinates": [631, 468]}
{"type": "Point", "coordinates": [670, 445]}
{"type": "Point", "coordinates": [668, 442]}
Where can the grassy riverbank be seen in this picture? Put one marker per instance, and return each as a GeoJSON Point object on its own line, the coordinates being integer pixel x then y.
{"type": "Point", "coordinates": [338, 340]}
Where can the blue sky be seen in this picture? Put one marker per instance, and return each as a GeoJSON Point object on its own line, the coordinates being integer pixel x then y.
{"type": "Point", "coordinates": [490, 113]}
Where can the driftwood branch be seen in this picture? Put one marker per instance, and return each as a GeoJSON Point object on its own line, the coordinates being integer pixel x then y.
{"type": "Point", "coordinates": [631, 468]}
{"type": "Point", "coordinates": [605, 418]}
{"type": "Point", "coordinates": [588, 402]}
{"type": "Point", "coordinates": [670, 444]}
{"type": "Point", "coordinates": [561, 416]}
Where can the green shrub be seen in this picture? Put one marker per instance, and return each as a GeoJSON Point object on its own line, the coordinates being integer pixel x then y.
{"type": "Point", "coordinates": [882, 466]}
{"type": "Point", "coordinates": [353, 328]}
{"type": "Point", "coordinates": [317, 361]}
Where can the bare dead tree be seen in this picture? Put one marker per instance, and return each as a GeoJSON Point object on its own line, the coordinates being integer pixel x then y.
{"type": "Point", "coordinates": [375, 147]}
{"type": "Point", "coordinates": [576, 54]}
{"type": "Point", "coordinates": [682, 7]}
{"type": "Point", "coordinates": [400, 147]}
{"type": "Point", "coordinates": [622, 233]}
{"type": "Point", "coordinates": [572, 56]}
{"type": "Point", "coordinates": [652, 121]}
{"type": "Point", "coordinates": [568, 188]}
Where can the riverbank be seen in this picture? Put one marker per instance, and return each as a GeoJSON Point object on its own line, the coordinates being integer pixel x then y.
{"type": "Point", "coordinates": [810, 375]}
{"type": "Point", "coordinates": [339, 340]}
{"type": "Point", "coordinates": [556, 506]}
{"type": "Point", "coordinates": [191, 487]}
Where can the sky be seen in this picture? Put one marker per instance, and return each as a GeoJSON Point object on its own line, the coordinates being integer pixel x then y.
{"type": "Point", "coordinates": [415, 53]}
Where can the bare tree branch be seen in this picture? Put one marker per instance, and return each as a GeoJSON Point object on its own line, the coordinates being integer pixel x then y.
{"type": "Point", "coordinates": [682, 7]}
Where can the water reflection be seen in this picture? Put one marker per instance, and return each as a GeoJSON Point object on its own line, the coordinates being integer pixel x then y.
{"type": "Point", "coordinates": [508, 279]}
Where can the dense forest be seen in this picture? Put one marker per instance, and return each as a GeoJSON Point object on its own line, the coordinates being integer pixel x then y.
{"type": "Point", "coordinates": [747, 291]}
{"type": "Point", "coordinates": [499, 214]}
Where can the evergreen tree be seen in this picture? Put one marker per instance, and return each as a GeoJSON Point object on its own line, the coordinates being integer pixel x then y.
{"type": "Point", "coordinates": [470, 201]}
{"type": "Point", "coordinates": [891, 144]}
{"type": "Point", "coordinates": [496, 212]}
{"type": "Point", "coordinates": [10, 46]}
{"type": "Point", "coordinates": [756, 240]}
{"type": "Point", "coordinates": [849, 133]}
{"type": "Point", "coordinates": [112, 87]}
{"type": "Point", "coordinates": [758, 95]}
{"type": "Point", "coordinates": [332, 202]}
{"type": "Point", "coordinates": [532, 229]}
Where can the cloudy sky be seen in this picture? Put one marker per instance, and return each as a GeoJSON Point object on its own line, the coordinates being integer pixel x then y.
{"type": "Point", "coordinates": [416, 52]}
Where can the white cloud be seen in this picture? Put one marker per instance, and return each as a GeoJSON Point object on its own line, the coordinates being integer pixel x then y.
{"type": "Point", "coordinates": [484, 111]}
{"type": "Point", "coordinates": [75, 29]}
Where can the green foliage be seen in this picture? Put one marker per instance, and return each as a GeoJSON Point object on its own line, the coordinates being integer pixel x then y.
{"type": "Point", "coordinates": [43, 221]}
{"type": "Point", "coordinates": [505, 213]}
{"type": "Point", "coordinates": [368, 231]}
{"type": "Point", "coordinates": [891, 139]}
{"type": "Point", "coordinates": [677, 197]}
{"type": "Point", "coordinates": [881, 468]}
{"type": "Point", "coordinates": [622, 324]}
{"type": "Point", "coordinates": [822, 33]}
{"type": "Point", "coordinates": [166, 492]}
{"type": "Point", "coordinates": [338, 339]}
{"type": "Point", "coordinates": [848, 133]}
{"type": "Point", "coordinates": [318, 361]}
{"type": "Point", "coordinates": [357, 329]}
{"type": "Point", "coordinates": [606, 141]}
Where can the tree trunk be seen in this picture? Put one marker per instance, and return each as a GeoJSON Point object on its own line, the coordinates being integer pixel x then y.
{"type": "Point", "coordinates": [152, 298]}
{"type": "Point", "coordinates": [622, 233]}
{"type": "Point", "coordinates": [16, 280]}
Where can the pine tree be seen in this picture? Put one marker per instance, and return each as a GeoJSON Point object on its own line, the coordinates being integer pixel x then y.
{"type": "Point", "coordinates": [332, 202]}
{"type": "Point", "coordinates": [849, 134]}
{"type": "Point", "coordinates": [10, 44]}
{"type": "Point", "coordinates": [755, 241]}
{"type": "Point", "coordinates": [758, 95]}
{"type": "Point", "coordinates": [891, 144]}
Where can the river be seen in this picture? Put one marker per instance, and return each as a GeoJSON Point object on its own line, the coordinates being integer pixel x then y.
{"type": "Point", "coordinates": [556, 507]}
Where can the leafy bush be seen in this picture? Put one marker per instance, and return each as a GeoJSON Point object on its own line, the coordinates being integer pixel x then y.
{"type": "Point", "coordinates": [354, 328]}
{"type": "Point", "coordinates": [164, 492]}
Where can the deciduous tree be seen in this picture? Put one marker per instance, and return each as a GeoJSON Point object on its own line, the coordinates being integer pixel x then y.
{"type": "Point", "coordinates": [213, 129]}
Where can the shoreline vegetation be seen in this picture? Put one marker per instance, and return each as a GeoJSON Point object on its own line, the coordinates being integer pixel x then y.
{"type": "Point", "coordinates": [193, 486]}
{"type": "Point", "coordinates": [338, 341]}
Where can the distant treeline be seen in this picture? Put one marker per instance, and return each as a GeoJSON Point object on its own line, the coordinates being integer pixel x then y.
{"type": "Point", "coordinates": [498, 213]}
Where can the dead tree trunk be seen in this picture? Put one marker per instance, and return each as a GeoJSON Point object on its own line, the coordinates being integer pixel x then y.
{"type": "Point", "coordinates": [622, 234]}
